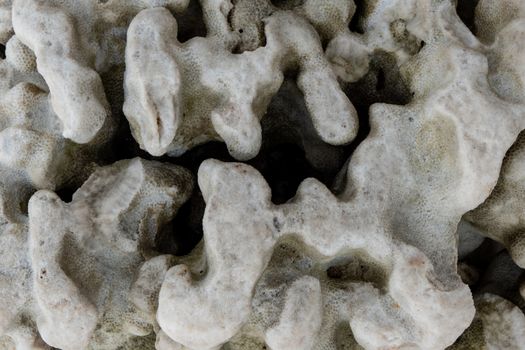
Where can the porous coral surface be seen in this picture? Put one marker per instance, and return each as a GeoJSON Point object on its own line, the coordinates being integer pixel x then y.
{"type": "Point", "coordinates": [262, 174]}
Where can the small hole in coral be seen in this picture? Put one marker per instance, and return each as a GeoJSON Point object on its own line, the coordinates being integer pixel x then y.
{"type": "Point", "coordinates": [241, 30]}
{"type": "Point", "coordinates": [2, 51]}
{"type": "Point", "coordinates": [334, 272]}
{"type": "Point", "coordinates": [66, 194]}
{"type": "Point", "coordinates": [421, 46]}
{"type": "Point", "coordinates": [23, 207]}
{"type": "Point", "coordinates": [237, 49]}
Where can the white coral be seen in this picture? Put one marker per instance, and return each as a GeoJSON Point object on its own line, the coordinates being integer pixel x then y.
{"type": "Point", "coordinates": [79, 258]}
{"type": "Point", "coordinates": [374, 266]}
{"type": "Point", "coordinates": [206, 92]}
{"type": "Point", "coordinates": [419, 206]}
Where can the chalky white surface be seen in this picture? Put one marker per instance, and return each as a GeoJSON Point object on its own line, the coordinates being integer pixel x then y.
{"type": "Point", "coordinates": [374, 266]}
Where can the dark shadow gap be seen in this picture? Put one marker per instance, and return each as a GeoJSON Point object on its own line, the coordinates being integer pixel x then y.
{"type": "Point", "coordinates": [191, 22]}
{"type": "Point", "coordinates": [291, 150]}
{"type": "Point", "coordinates": [66, 193]}
{"type": "Point", "coordinates": [184, 232]}
{"type": "Point", "coordinates": [122, 144]}
{"type": "Point", "coordinates": [181, 235]}
{"type": "Point", "coordinates": [482, 255]}
{"type": "Point", "coordinates": [19, 191]}
{"type": "Point", "coordinates": [382, 84]}
{"type": "Point", "coordinates": [284, 167]}
{"type": "Point", "coordinates": [193, 158]}
{"type": "Point", "coordinates": [356, 24]}
{"type": "Point", "coordinates": [287, 4]}
{"type": "Point", "coordinates": [466, 11]}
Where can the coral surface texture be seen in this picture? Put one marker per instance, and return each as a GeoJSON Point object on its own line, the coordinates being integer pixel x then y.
{"type": "Point", "coordinates": [262, 174]}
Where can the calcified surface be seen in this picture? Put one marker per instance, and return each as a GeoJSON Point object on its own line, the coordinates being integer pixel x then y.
{"type": "Point", "coordinates": [256, 174]}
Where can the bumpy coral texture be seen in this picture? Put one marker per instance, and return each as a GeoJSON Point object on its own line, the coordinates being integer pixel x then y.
{"type": "Point", "coordinates": [180, 95]}
{"type": "Point", "coordinates": [381, 205]}
{"type": "Point", "coordinates": [77, 259]}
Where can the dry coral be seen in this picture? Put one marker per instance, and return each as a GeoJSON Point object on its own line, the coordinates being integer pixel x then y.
{"type": "Point", "coordinates": [180, 95]}
{"type": "Point", "coordinates": [75, 261]}
{"type": "Point", "coordinates": [381, 205]}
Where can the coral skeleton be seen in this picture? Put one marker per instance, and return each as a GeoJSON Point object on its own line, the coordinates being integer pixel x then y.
{"type": "Point", "coordinates": [262, 174]}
